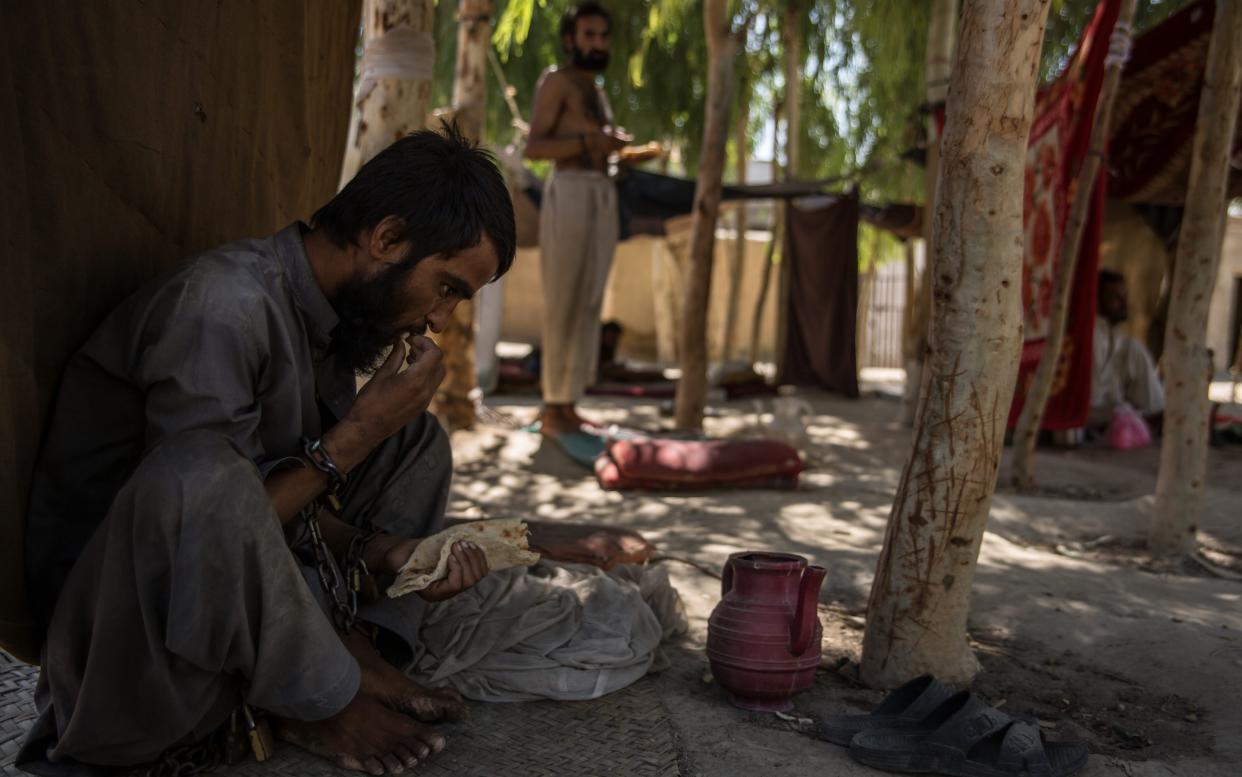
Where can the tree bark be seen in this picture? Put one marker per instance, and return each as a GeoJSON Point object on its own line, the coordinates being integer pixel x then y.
{"type": "Point", "coordinates": [740, 140]}
{"type": "Point", "coordinates": [1027, 431]}
{"type": "Point", "coordinates": [916, 619]}
{"type": "Point", "coordinates": [792, 45]}
{"type": "Point", "coordinates": [452, 404]}
{"type": "Point", "coordinates": [941, 38]}
{"type": "Point", "coordinates": [794, 57]}
{"type": "Point", "coordinates": [389, 107]}
{"type": "Point", "coordinates": [721, 47]}
{"type": "Point", "coordinates": [1183, 451]}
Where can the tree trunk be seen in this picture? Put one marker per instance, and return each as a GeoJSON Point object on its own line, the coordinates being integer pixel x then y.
{"type": "Point", "coordinates": [792, 43]}
{"type": "Point", "coordinates": [1183, 451]}
{"type": "Point", "coordinates": [394, 92]}
{"type": "Point", "coordinates": [452, 404]}
{"type": "Point", "coordinates": [1027, 430]}
{"type": "Point", "coordinates": [916, 618]}
{"type": "Point", "coordinates": [740, 139]}
{"type": "Point", "coordinates": [941, 37]}
{"type": "Point", "coordinates": [721, 47]}
{"type": "Point", "coordinates": [765, 279]}
{"type": "Point", "coordinates": [794, 57]}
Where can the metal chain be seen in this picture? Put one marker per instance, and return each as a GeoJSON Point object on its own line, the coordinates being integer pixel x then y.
{"type": "Point", "coordinates": [187, 760]}
{"type": "Point", "coordinates": [344, 604]}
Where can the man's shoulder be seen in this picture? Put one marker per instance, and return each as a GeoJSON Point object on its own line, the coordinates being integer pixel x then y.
{"type": "Point", "coordinates": [554, 76]}
{"type": "Point", "coordinates": [229, 284]}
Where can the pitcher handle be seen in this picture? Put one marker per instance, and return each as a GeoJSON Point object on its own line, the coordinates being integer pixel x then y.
{"type": "Point", "coordinates": [726, 578]}
{"type": "Point", "coordinates": [802, 628]}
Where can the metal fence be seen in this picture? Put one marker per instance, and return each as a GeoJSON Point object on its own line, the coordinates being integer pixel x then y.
{"type": "Point", "coordinates": [882, 301]}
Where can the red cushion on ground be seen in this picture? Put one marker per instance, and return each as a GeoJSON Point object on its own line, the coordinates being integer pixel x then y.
{"type": "Point", "coordinates": [697, 464]}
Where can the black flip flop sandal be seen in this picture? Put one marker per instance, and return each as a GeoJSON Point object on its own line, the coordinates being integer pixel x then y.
{"type": "Point", "coordinates": [903, 708]}
{"type": "Point", "coordinates": [965, 737]}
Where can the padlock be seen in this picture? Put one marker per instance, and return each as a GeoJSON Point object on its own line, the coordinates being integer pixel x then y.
{"type": "Point", "coordinates": [260, 733]}
{"type": "Point", "coordinates": [235, 742]}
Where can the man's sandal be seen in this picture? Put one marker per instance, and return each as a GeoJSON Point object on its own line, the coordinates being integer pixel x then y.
{"type": "Point", "coordinates": [965, 737]}
{"type": "Point", "coordinates": [903, 708]}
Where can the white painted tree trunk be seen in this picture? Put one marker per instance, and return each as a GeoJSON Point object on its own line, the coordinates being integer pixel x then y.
{"type": "Point", "coordinates": [721, 47]}
{"type": "Point", "coordinates": [916, 618]}
{"type": "Point", "coordinates": [452, 403]}
{"type": "Point", "coordinates": [1027, 431]}
{"type": "Point", "coordinates": [941, 38]}
{"type": "Point", "coordinates": [390, 105]}
{"type": "Point", "coordinates": [1183, 451]}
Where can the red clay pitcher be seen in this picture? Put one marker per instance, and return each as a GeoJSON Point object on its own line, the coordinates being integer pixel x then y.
{"type": "Point", "coordinates": [763, 639]}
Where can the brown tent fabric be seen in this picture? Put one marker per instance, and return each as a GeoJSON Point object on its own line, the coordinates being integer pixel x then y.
{"type": "Point", "coordinates": [135, 134]}
{"type": "Point", "coordinates": [822, 311]}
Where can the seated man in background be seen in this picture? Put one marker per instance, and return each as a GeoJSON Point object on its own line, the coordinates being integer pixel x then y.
{"type": "Point", "coordinates": [213, 491]}
{"type": "Point", "coordinates": [1123, 372]}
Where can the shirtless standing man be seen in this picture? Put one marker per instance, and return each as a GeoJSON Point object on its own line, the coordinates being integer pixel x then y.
{"type": "Point", "coordinates": [572, 125]}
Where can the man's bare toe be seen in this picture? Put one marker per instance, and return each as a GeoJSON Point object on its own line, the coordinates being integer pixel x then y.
{"type": "Point", "coordinates": [424, 740]}
{"type": "Point", "coordinates": [356, 764]}
{"type": "Point", "coordinates": [392, 764]}
{"type": "Point", "coordinates": [407, 755]}
{"type": "Point", "coordinates": [366, 736]}
{"type": "Point", "coordinates": [432, 704]}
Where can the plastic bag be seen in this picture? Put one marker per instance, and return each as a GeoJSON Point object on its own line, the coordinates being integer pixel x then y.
{"type": "Point", "coordinates": [1128, 429]}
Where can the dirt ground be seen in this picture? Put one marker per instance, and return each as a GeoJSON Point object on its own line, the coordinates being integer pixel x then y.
{"type": "Point", "coordinates": [1072, 623]}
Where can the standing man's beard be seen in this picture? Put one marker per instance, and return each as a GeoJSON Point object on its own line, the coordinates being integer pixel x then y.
{"type": "Point", "coordinates": [369, 310]}
{"type": "Point", "coordinates": [596, 61]}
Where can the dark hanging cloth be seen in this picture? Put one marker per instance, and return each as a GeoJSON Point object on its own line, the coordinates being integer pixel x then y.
{"type": "Point", "coordinates": [822, 311]}
{"type": "Point", "coordinates": [647, 199]}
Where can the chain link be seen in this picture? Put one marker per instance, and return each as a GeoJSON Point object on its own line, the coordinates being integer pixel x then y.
{"type": "Point", "coordinates": [188, 760]}
{"type": "Point", "coordinates": [344, 604]}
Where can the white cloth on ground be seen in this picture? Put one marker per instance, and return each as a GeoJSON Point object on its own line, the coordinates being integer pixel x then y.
{"type": "Point", "coordinates": [1122, 372]}
{"type": "Point", "coordinates": [554, 631]}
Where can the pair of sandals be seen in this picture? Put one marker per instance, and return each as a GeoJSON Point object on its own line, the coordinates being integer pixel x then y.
{"type": "Point", "coordinates": [924, 726]}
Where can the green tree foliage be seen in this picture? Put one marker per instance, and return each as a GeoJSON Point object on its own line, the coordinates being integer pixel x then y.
{"type": "Point", "coordinates": [863, 89]}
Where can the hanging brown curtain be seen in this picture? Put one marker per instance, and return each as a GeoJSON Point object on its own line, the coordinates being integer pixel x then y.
{"type": "Point", "coordinates": [822, 310]}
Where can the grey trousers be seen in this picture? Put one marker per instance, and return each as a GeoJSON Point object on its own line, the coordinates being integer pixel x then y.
{"type": "Point", "coordinates": [187, 600]}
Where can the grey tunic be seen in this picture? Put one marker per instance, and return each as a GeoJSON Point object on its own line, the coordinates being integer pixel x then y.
{"type": "Point", "coordinates": [230, 342]}
{"type": "Point", "coordinates": [155, 558]}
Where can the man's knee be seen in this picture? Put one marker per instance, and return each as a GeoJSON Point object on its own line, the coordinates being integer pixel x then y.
{"type": "Point", "coordinates": [425, 442]}
{"type": "Point", "coordinates": [198, 474]}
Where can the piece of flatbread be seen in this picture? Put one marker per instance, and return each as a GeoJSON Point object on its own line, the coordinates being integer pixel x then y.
{"type": "Point", "coordinates": [504, 541]}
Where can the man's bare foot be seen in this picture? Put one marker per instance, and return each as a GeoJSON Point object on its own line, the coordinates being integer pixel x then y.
{"type": "Point", "coordinates": [560, 419]}
{"type": "Point", "coordinates": [385, 683]}
{"type": "Point", "coordinates": [365, 736]}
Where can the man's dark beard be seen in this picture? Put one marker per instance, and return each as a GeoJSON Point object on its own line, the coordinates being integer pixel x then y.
{"type": "Point", "coordinates": [596, 61]}
{"type": "Point", "coordinates": [368, 311]}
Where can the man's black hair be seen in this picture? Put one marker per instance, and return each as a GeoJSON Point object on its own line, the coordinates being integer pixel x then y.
{"type": "Point", "coordinates": [447, 190]}
{"type": "Point", "coordinates": [569, 20]}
